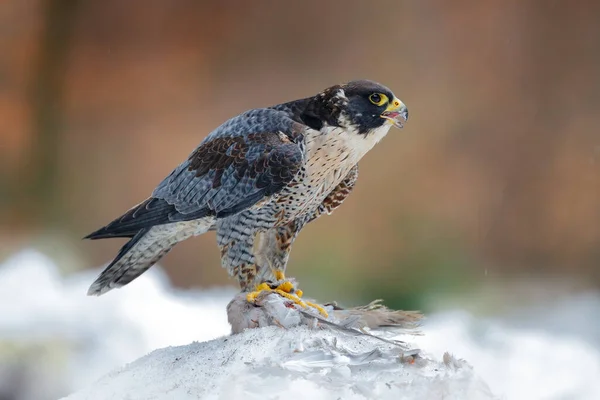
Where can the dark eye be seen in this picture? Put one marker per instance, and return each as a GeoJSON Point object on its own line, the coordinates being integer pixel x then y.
{"type": "Point", "coordinates": [378, 99]}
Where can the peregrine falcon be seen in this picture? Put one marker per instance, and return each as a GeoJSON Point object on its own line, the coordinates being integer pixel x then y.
{"type": "Point", "coordinates": [257, 180]}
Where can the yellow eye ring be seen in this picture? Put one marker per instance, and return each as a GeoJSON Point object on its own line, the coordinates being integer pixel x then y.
{"type": "Point", "coordinates": [378, 99]}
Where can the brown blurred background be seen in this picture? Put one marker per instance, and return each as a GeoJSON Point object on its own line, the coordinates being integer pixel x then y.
{"type": "Point", "coordinates": [495, 178]}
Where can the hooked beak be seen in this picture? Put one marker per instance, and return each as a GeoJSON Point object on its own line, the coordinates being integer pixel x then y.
{"type": "Point", "coordinates": [396, 113]}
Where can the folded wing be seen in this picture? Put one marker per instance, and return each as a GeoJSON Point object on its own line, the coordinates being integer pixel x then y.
{"type": "Point", "coordinates": [242, 163]}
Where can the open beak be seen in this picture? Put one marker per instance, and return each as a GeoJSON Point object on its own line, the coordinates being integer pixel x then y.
{"type": "Point", "coordinates": [396, 113]}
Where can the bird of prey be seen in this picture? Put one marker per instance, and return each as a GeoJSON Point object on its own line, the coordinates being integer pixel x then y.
{"type": "Point", "coordinates": [257, 180]}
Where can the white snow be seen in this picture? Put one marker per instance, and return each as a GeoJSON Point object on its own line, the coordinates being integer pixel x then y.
{"type": "Point", "coordinates": [520, 363]}
{"type": "Point", "coordinates": [50, 330]}
{"type": "Point", "coordinates": [299, 363]}
{"type": "Point", "coordinates": [54, 340]}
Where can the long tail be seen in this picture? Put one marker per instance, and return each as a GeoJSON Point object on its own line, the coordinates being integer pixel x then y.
{"type": "Point", "coordinates": [144, 249]}
{"type": "Point", "coordinates": [154, 226]}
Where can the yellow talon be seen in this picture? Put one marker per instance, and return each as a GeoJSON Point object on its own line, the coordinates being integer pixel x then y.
{"type": "Point", "coordinates": [284, 291]}
{"type": "Point", "coordinates": [291, 297]}
{"type": "Point", "coordinates": [263, 287]}
{"type": "Point", "coordinates": [286, 286]}
{"type": "Point", "coordinates": [319, 308]}
{"type": "Point", "coordinates": [279, 275]}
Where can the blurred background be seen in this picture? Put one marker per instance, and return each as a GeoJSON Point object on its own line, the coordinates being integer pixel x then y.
{"type": "Point", "coordinates": [489, 199]}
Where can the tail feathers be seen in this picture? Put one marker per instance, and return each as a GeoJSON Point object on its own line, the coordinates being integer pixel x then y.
{"type": "Point", "coordinates": [144, 249]}
{"type": "Point", "coordinates": [99, 234]}
{"type": "Point", "coordinates": [149, 213]}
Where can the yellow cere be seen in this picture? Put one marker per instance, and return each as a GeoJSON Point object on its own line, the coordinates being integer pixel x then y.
{"type": "Point", "coordinates": [394, 105]}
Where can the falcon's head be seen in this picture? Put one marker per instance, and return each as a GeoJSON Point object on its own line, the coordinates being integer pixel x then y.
{"type": "Point", "coordinates": [361, 106]}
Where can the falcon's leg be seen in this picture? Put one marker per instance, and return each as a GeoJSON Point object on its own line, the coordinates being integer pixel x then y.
{"type": "Point", "coordinates": [235, 237]}
{"type": "Point", "coordinates": [271, 250]}
{"type": "Point", "coordinates": [257, 257]}
{"type": "Point", "coordinates": [273, 246]}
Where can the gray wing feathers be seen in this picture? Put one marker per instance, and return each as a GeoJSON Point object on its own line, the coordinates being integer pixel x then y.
{"type": "Point", "coordinates": [249, 157]}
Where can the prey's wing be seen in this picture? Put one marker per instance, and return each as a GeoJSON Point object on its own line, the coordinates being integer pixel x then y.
{"type": "Point", "coordinates": [241, 164]}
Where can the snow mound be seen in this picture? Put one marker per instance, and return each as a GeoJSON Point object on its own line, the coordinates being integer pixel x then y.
{"type": "Point", "coordinates": [299, 363]}
{"type": "Point", "coordinates": [52, 334]}
{"type": "Point", "coordinates": [54, 340]}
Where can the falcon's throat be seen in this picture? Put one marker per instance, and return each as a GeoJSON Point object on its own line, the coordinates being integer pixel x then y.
{"type": "Point", "coordinates": [353, 140]}
{"type": "Point", "coordinates": [367, 141]}
{"type": "Point", "coordinates": [337, 149]}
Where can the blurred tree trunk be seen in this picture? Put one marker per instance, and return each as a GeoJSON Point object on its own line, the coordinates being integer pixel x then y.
{"type": "Point", "coordinates": [40, 193]}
